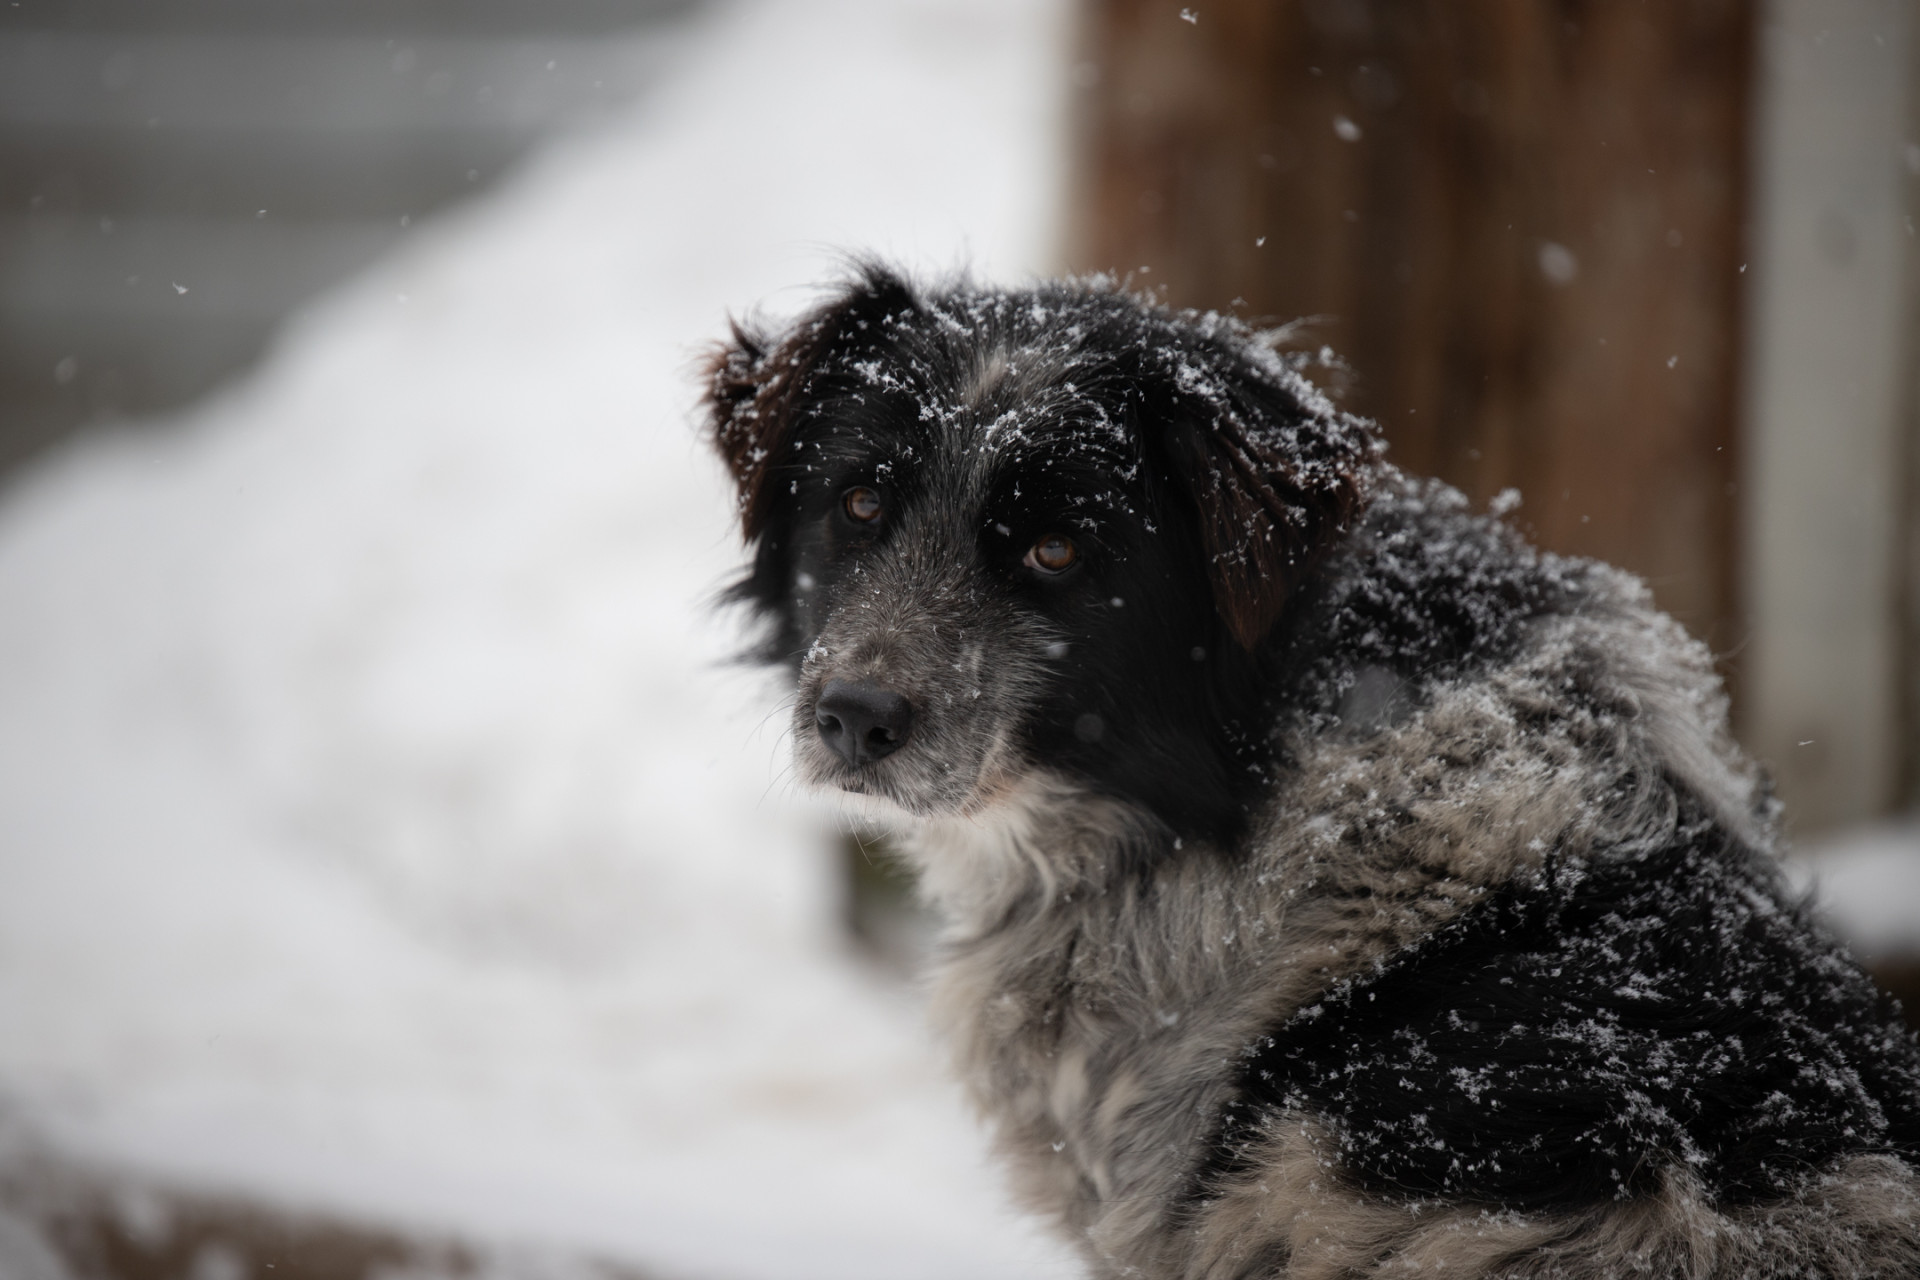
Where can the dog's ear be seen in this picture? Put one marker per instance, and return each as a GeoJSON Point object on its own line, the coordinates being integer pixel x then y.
{"type": "Point", "coordinates": [1275, 473]}
{"type": "Point", "coordinates": [750, 386]}
{"type": "Point", "coordinates": [758, 386]}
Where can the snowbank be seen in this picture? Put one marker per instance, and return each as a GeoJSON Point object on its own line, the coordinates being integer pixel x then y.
{"type": "Point", "coordinates": [1868, 886]}
{"type": "Point", "coordinates": [380, 829]}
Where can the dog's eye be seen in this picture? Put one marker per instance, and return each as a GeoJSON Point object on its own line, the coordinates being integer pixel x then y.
{"type": "Point", "coordinates": [1054, 553]}
{"type": "Point", "coordinates": [862, 504]}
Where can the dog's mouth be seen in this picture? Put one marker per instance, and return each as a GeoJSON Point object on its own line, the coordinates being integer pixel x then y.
{"type": "Point", "coordinates": [863, 736]}
{"type": "Point", "coordinates": [917, 709]}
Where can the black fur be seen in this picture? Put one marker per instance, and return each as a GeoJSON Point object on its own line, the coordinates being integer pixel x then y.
{"type": "Point", "coordinates": [1422, 590]}
{"type": "Point", "coordinates": [1574, 1037]}
{"type": "Point", "coordinates": [1301, 757]}
{"type": "Point", "coordinates": [1158, 698]}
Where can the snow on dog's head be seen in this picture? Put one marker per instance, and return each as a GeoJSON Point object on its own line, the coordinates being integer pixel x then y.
{"type": "Point", "coordinates": [996, 531]}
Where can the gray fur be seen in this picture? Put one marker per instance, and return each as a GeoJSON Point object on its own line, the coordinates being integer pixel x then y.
{"type": "Point", "coordinates": [1097, 1001]}
{"type": "Point", "coordinates": [919, 619]}
{"type": "Point", "coordinates": [1095, 1016]}
{"type": "Point", "coordinates": [1295, 1217]}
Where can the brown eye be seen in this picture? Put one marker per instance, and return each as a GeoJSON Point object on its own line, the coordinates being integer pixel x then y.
{"type": "Point", "coordinates": [862, 504]}
{"type": "Point", "coordinates": [1052, 554]}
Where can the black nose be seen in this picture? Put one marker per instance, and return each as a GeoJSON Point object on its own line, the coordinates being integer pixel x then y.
{"type": "Point", "coordinates": [862, 721]}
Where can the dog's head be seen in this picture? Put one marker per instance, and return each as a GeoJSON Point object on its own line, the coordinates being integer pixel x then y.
{"type": "Point", "coordinates": [996, 531]}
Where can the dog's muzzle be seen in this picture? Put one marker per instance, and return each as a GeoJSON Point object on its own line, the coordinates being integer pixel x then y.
{"type": "Point", "coordinates": [862, 721]}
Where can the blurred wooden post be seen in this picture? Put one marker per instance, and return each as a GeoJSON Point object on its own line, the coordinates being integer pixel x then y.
{"type": "Point", "coordinates": [1522, 220]}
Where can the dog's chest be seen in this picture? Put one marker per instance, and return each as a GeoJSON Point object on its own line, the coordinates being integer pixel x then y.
{"type": "Point", "coordinates": [1056, 1055]}
{"type": "Point", "coordinates": [1101, 1065]}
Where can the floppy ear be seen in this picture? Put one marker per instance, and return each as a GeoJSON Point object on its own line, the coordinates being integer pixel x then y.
{"type": "Point", "coordinates": [752, 387]}
{"type": "Point", "coordinates": [1275, 473]}
{"type": "Point", "coordinates": [757, 387]}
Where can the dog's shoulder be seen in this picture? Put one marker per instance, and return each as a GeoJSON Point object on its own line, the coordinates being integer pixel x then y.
{"type": "Point", "coordinates": [1422, 590]}
{"type": "Point", "coordinates": [1438, 657]}
{"type": "Point", "coordinates": [1426, 598]}
{"type": "Point", "coordinates": [1460, 707]}
{"type": "Point", "coordinates": [1514, 845]}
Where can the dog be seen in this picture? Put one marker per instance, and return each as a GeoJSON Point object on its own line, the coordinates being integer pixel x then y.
{"type": "Point", "coordinates": [1334, 885]}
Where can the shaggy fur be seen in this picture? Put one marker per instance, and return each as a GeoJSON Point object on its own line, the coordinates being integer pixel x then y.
{"type": "Point", "coordinates": [1334, 885]}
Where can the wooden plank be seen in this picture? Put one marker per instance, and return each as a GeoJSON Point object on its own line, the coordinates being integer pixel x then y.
{"type": "Point", "coordinates": [1522, 220]}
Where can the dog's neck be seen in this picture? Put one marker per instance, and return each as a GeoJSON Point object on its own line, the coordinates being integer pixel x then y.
{"type": "Point", "coordinates": [1039, 994]}
{"type": "Point", "coordinates": [1045, 840]}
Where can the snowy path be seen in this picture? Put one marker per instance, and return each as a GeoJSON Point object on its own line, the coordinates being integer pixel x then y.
{"type": "Point", "coordinates": [378, 830]}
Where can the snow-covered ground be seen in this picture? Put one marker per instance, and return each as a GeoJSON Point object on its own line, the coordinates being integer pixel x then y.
{"type": "Point", "coordinates": [381, 830]}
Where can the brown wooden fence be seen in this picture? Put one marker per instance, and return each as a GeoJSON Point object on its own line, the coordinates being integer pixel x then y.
{"type": "Point", "coordinates": [1523, 221]}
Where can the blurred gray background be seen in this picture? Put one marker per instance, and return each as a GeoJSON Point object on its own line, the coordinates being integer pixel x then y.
{"type": "Point", "coordinates": [175, 175]}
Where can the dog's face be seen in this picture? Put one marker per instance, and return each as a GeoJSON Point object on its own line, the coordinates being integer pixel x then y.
{"type": "Point", "coordinates": [1001, 531]}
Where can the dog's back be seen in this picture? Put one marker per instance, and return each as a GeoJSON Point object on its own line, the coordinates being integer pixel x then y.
{"type": "Point", "coordinates": [1334, 887]}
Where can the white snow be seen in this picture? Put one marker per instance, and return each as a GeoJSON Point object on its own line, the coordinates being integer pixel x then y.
{"type": "Point", "coordinates": [380, 828]}
{"type": "Point", "coordinates": [1868, 885]}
